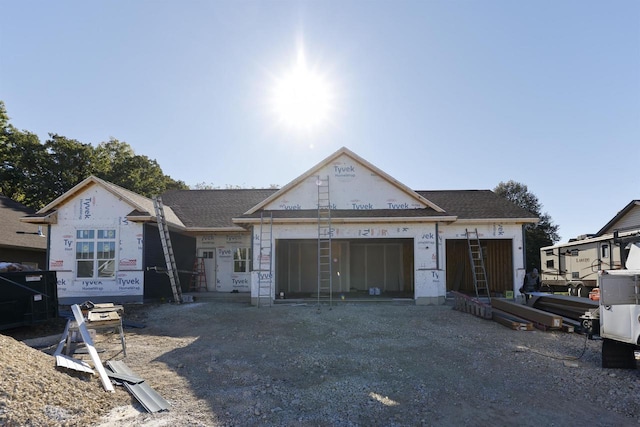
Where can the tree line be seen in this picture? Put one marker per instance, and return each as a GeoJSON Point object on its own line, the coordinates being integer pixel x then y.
{"type": "Point", "coordinates": [35, 173]}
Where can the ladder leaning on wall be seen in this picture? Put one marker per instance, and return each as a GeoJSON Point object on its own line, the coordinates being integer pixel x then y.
{"type": "Point", "coordinates": [198, 276]}
{"type": "Point", "coordinates": [325, 288]}
{"type": "Point", "coordinates": [265, 274]}
{"type": "Point", "coordinates": [170, 260]}
{"type": "Point", "coordinates": [478, 270]}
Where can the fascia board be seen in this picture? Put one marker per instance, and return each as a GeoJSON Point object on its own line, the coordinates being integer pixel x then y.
{"type": "Point", "coordinates": [51, 218]}
{"type": "Point", "coordinates": [215, 229]}
{"type": "Point", "coordinates": [68, 194]}
{"type": "Point", "coordinates": [349, 220]}
{"type": "Point", "coordinates": [501, 220]}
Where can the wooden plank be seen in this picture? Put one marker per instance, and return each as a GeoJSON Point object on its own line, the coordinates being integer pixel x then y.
{"type": "Point", "coordinates": [86, 337]}
{"type": "Point", "coordinates": [536, 316]}
{"type": "Point", "coordinates": [508, 323]}
{"type": "Point", "coordinates": [511, 321]}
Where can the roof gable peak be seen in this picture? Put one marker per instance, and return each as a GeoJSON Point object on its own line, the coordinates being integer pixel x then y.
{"type": "Point", "coordinates": [354, 184]}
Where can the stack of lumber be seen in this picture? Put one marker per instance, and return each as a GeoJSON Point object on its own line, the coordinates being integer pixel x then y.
{"type": "Point", "coordinates": [523, 317]}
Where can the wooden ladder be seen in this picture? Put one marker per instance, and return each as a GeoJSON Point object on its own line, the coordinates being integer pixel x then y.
{"type": "Point", "coordinates": [199, 276]}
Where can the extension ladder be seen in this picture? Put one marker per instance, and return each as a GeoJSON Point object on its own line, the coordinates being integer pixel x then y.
{"type": "Point", "coordinates": [478, 270]}
{"type": "Point", "coordinates": [325, 288]}
{"type": "Point", "coordinates": [265, 274]}
{"type": "Point", "coordinates": [169, 258]}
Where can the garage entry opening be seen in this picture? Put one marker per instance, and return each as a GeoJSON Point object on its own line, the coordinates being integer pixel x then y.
{"type": "Point", "coordinates": [358, 266]}
{"type": "Point", "coordinates": [498, 261]}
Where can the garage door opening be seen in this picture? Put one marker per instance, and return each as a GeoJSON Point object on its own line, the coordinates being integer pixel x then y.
{"type": "Point", "coordinates": [498, 261]}
{"type": "Point", "coordinates": [358, 266]}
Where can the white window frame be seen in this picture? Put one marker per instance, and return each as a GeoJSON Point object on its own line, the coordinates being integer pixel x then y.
{"type": "Point", "coordinates": [95, 253]}
{"type": "Point", "coordinates": [241, 258]}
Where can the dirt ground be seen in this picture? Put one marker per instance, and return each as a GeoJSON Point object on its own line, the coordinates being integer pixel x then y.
{"type": "Point", "coordinates": [223, 363]}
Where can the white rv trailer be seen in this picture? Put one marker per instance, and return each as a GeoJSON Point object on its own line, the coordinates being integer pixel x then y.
{"type": "Point", "coordinates": [573, 267]}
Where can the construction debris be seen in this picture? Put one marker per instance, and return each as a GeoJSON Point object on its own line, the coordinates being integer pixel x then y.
{"type": "Point", "coordinates": [86, 337]}
{"type": "Point", "coordinates": [148, 397]}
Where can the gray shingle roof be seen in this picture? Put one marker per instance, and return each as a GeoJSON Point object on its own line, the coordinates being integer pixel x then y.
{"type": "Point", "coordinates": [476, 204]}
{"type": "Point", "coordinates": [217, 208]}
{"type": "Point", "coordinates": [213, 208]}
{"type": "Point", "coordinates": [10, 214]}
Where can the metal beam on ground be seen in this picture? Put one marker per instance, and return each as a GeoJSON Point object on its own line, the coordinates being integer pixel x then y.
{"type": "Point", "coordinates": [86, 337]}
{"type": "Point", "coordinates": [537, 316]}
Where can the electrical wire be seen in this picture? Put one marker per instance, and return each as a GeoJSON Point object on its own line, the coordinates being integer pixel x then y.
{"type": "Point", "coordinates": [584, 349]}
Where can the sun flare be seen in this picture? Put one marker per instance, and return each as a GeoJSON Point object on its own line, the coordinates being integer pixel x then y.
{"type": "Point", "coordinates": [302, 97]}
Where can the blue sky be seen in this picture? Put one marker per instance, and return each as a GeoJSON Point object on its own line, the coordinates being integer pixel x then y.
{"type": "Point", "coordinates": [439, 94]}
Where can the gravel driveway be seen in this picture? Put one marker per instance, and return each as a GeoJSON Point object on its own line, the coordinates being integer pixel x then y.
{"type": "Point", "coordinates": [370, 364]}
{"type": "Point", "coordinates": [366, 364]}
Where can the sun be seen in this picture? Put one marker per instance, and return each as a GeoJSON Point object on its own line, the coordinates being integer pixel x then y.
{"type": "Point", "coordinates": [302, 97]}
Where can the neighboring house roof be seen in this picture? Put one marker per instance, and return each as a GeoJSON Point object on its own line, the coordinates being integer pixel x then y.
{"type": "Point", "coordinates": [142, 207]}
{"type": "Point", "coordinates": [627, 219]}
{"type": "Point", "coordinates": [11, 226]}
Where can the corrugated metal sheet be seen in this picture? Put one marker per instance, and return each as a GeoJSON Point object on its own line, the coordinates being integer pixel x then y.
{"type": "Point", "coordinates": [71, 363]}
{"type": "Point", "coordinates": [148, 397]}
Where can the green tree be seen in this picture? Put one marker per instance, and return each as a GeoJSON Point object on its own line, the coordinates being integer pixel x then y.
{"type": "Point", "coordinates": [21, 156]}
{"type": "Point", "coordinates": [544, 233]}
{"type": "Point", "coordinates": [118, 164]}
{"type": "Point", "coordinates": [36, 174]}
{"type": "Point", "coordinates": [68, 163]}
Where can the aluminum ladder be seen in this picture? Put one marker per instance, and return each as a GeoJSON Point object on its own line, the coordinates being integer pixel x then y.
{"type": "Point", "coordinates": [170, 260]}
{"type": "Point", "coordinates": [265, 273]}
{"type": "Point", "coordinates": [478, 270]}
{"type": "Point", "coordinates": [325, 288]}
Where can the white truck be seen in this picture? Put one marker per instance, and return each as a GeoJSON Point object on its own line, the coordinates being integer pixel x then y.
{"type": "Point", "coordinates": [573, 267]}
{"type": "Point", "coordinates": [617, 318]}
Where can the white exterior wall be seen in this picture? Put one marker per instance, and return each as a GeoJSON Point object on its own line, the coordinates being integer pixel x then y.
{"type": "Point", "coordinates": [97, 208]}
{"type": "Point", "coordinates": [219, 270]}
{"type": "Point", "coordinates": [429, 280]}
{"type": "Point", "coordinates": [429, 256]}
{"type": "Point", "coordinates": [356, 187]}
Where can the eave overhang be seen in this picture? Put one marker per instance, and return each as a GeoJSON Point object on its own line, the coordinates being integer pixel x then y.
{"type": "Point", "coordinates": [46, 218]}
{"type": "Point", "coordinates": [358, 220]}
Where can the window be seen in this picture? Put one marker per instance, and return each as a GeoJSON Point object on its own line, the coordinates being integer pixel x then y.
{"type": "Point", "coordinates": [604, 250]}
{"type": "Point", "coordinates": [241, 260]}
{"type": "Point", "coordinates": [95, 253]}
{"type": "Point", "coordinates": [548, 252]}
{"type": "Point", "coordinates": [575, 275]}
{"type": "Point", "coordinates": [549, 263]}
{"type": "Point", "coordinates": [574, 252]}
